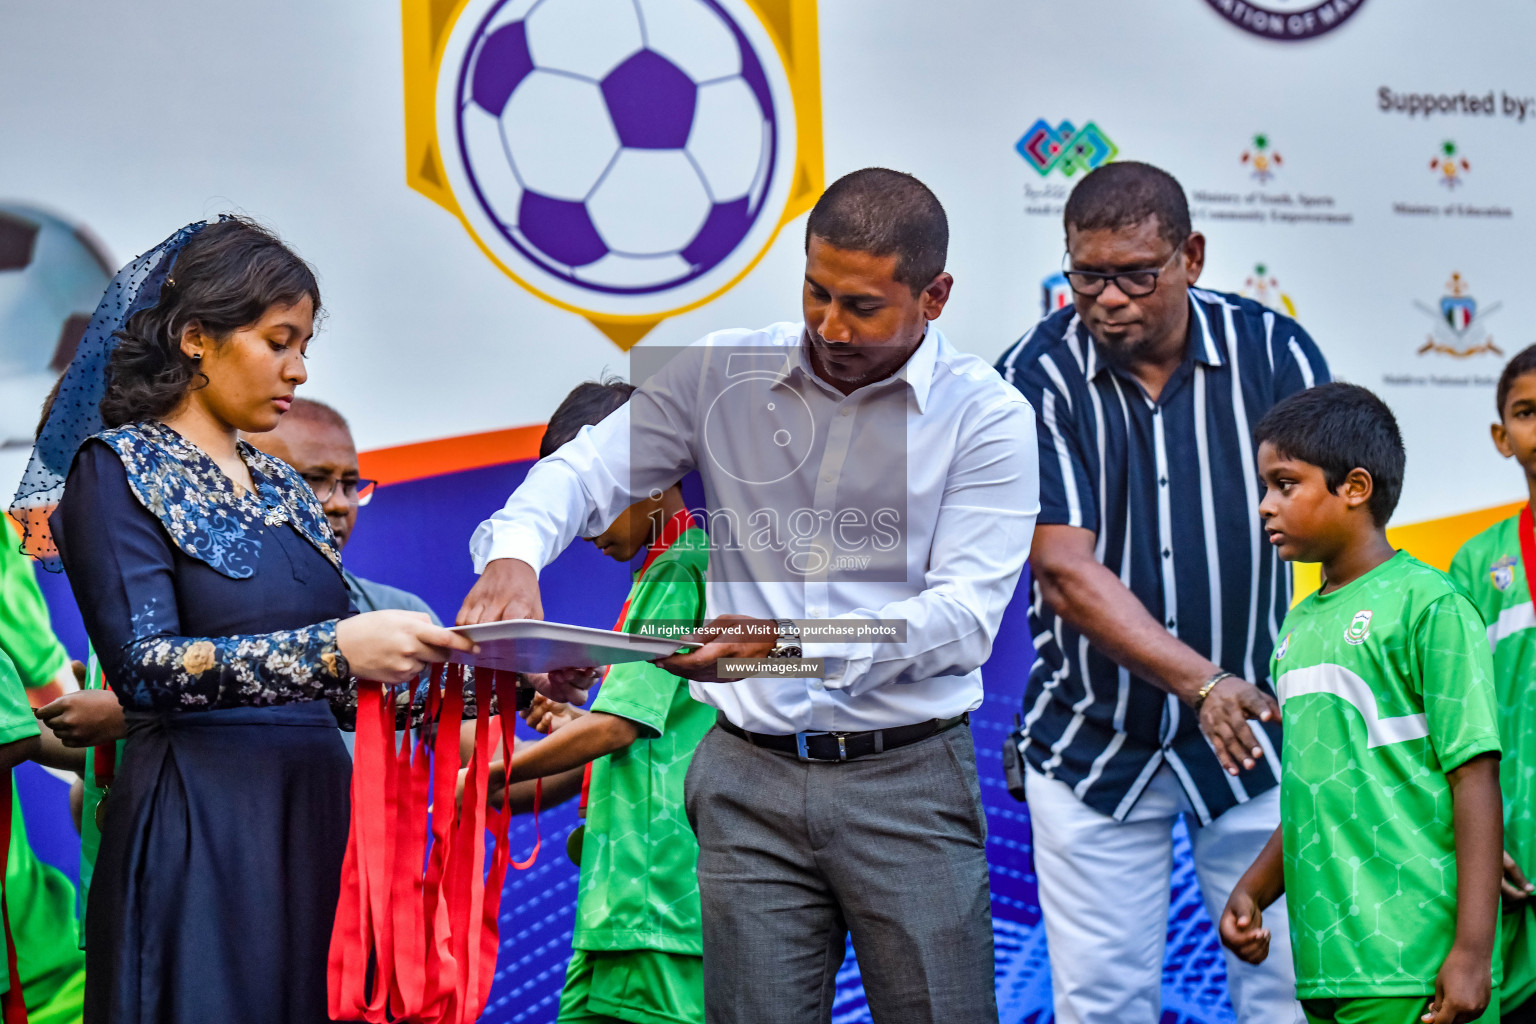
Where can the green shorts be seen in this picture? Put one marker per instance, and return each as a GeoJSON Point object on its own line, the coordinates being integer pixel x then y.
{"type": "Point", "coordinates": [1381, 1010]}
{"type": "Point", "coordinates": [1518, 939]}
{"type": "Point", "coordinates": [66, 1006]}
{"type": "Point", "coordinates": [633, 986]}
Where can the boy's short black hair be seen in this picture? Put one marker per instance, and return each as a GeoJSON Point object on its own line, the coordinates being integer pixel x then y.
{"type": "Point", "coordinates": [1522, 363]}
{"type": "Point", "coordinates": [588, 403]}
{"type": "Point", "coordinates": [1338, 427]}
{"type": "Point", "coordinates": [884, 213]}
{"type": "Point", "coordinates": [1126, 194]}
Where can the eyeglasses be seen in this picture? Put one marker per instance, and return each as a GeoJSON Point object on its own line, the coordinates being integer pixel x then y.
{"type": "Point", "coordinates": [358, 492]}
{"type": "Point", "coordinates": [1134, 284]}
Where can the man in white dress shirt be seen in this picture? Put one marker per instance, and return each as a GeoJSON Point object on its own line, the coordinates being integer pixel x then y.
{"type": "Point", "coordinates": [857, 469]}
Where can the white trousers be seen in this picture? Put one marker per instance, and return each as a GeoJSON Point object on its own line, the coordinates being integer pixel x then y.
{"type": "Point", "coordinates": [1104, 893]}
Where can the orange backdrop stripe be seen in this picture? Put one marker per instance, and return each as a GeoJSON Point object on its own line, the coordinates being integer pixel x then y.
{"type": "Point", "coordinates": [423, 459]}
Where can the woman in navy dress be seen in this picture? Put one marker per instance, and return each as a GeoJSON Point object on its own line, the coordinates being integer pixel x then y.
{"type": "Point", "coordinates": [211, 588]}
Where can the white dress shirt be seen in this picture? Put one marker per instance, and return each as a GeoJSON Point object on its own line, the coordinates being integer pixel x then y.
{"type": "Point", "coordinates": [912, 499]}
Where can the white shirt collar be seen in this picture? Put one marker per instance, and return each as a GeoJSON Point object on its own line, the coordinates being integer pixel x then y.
{"type": "Point", "coordinates": [917, 371]}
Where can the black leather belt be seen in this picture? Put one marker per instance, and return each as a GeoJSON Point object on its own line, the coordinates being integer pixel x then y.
{"type": "Point", "coordinates": [843, 746]}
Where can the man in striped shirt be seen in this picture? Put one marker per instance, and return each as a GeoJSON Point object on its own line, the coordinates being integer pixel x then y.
{"type": "Point", "coordinates": [1156, 597]}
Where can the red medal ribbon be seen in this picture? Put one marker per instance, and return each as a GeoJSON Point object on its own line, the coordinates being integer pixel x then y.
{"type": "Point", "coordinates": [1528, 549]}
{"type": "Point", "coordinates": [681, 522]}
{"type": "Point", "coordinates": [421, 923]}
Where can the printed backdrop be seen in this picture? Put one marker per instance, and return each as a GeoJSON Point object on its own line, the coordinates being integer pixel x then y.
{"type": "Point", "coordinates": [502, 197]}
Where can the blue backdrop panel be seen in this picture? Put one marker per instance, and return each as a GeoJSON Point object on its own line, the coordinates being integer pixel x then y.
{"type": "Point", "coordinates": [414, 535]}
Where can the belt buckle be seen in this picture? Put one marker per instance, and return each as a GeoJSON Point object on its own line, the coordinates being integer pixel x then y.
{"type": "Point", "coordinates": [804, 754]}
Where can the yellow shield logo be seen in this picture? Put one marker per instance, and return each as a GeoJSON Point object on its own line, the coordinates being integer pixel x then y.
{"type": "Point", "coordinates": [626, 160]}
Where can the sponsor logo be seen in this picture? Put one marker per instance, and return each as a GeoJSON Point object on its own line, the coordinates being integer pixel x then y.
{"type": "Point", "coordinates": [625, 168]}
{"type": "Point", "coordinates": [1285, 645]}
{"type": "Point", "coordinates": [1359, 630]}
{"type": "Point", "coordinates": [1502, 572]}
{"type": "Point", "coordinates": [1449, 166]}
{"type": "Point", "coordinates": [1065, 148]}
{"type": "Point", "coordinates": [1257, 203]}
{"type": "Point", "coordinates": [1287, 20]}
{"type": "Point", "coordinates": [1055, 294]}
{"type": "Point", "coordinates": [1261, 159]}
{"type": "Point", "coordinates": [1458, 328]}
{"type": "Point", "coordinates": [1264, 288]}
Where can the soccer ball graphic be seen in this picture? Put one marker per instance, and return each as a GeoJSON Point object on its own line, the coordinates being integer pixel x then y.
{"type": "Point", "coordinates": [52, 275]}
{"type": "Point", "coordinates": [621, 147]}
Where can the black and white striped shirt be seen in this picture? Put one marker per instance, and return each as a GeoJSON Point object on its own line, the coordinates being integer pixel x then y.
{"type": "Point", "coordinates": [1171, 490]}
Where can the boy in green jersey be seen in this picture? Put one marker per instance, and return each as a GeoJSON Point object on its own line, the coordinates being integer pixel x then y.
{"type": "Point", "coordinates": [1493, 571]}
{"type": "Point", "coordinates": [637, 948]}
{"type": "Point", "coordinates": [1389, 849]}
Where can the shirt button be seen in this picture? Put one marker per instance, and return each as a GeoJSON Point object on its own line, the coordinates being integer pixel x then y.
{"type": "Point", "coordinates": [1170, 623]}
{"type": "Point", "coordinates": [1167, 553]}
{"type": "Point", "coordinates": [828, 478]}
{"type": "Point", "coordinates": [846, 411]}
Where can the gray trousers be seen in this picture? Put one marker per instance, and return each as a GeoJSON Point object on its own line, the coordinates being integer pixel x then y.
{"type": "Point", "coordinates": [794, 856]}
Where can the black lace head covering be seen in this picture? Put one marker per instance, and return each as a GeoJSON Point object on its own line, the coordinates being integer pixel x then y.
{"type": "Point", "coordinates": [75, 413]}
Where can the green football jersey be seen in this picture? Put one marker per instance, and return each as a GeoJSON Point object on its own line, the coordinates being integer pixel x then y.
{"type": "Point", "coordinates": [1386, 684]}
{"type": "Point", "coordinates": [1489, 568]}
{"type": "Point", "coordinates": [25, 633]}
{"type": "Point", "coordinates": [639, 888]}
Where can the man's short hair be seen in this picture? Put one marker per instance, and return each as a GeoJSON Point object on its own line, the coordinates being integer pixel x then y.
{"type": "Point", "coordinates": [588, 404]}
{"type": "Point", "coordinates": [1126, 194]}
{"type": "Point", "coordinates": [1338, 427]}
{"type": "Point", "coordinates": [311, 411]}
{"type": "Point", "coordinates": [884, 213]}
{"type": "Point", "coordinates": [1522, 363]}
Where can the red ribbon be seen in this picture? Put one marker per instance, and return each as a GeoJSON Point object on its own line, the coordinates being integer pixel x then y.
{"type": "Point", "coordinates": [416, 937]}
{"type": "Point", "coordinates": [1528, 550]}
{"type": "Point", "coordinates": [13, 1004]}
{"type": "Point", "coordinates": [681, 522]}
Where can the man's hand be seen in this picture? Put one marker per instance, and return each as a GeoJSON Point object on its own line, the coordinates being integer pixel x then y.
{"type": "Point", "coordinates": [508, 589]}
{"type": "Point", "coordinates": [565, 685]}
{"type": "Point", "coordinates": [1515, 889]}
{"type": "Point", "coordinates": [1242, 927]}
{"type": "Point", "coordinates": [1462, 988]}
{"type": "Point", "coordinates": [723, 637]}
{"type": "Point", "coordinates": [546, 715]}
{"type": "Point", "coordinates": [1224, 717]}
{"type": "Point", "coordinates": [85, 718]}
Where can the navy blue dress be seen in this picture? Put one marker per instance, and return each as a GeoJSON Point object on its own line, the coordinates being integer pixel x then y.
{"type": "Point", "coordinates": [214, 618]}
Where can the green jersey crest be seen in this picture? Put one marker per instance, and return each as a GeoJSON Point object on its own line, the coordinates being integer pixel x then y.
{"type": "Point", "coordinates": [1359, 630]}
{"type": "Point", "coordinates": [1502, 572]}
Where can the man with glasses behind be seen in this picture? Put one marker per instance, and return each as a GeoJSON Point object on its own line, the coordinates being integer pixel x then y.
{"type": "Point", "coordinates": [1156, 597]}
{"type": "Point", "coordinates": [314, 439]}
